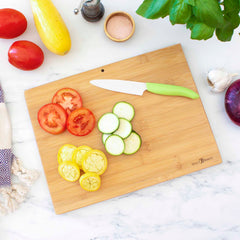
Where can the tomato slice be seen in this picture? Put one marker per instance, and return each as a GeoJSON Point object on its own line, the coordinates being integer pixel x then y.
{"type": "Point", "coordinates": [68, 98]}
{"type": "Point", "coordinates": [52, 118]}
{"type": "Point", "coordinates": [80, 122]}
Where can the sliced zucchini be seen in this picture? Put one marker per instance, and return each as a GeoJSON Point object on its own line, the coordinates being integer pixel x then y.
{"type": "Point", "coordinates": [108, 123]}
{"type": "Point", "coordinates": [105, 136]}
{"type": "Point", "coordinates": [124, 110]}
{"type": "Point", "coordinates": [114, 145]}
{"type": "Point", "coordinates": [132, 143]}
{"type": "Point", "coordinates": [125, 128]}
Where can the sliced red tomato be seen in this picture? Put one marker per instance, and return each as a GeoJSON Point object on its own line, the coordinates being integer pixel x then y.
{"type": "Point", "coordinates": [80, 122]}
{"type": "Point", "coordinates": [68, 98]}
{"type": "Point", "coordinates": [52, 118]}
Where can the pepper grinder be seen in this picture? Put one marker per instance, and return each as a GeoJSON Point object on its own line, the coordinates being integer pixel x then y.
{"type": "Point", "coordinates": [92, 10]}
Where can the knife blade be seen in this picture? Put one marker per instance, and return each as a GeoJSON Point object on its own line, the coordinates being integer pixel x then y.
{"type": "Point", "coordinates": [138, 88]}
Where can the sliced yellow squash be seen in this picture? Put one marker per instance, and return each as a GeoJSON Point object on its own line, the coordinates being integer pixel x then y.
{"type": "Point", "coordinates": [94, 161]}
{"type": "Point", "coordinates": [69, 171]}
{"type": "Point", "coordinates": [79, 153]}
{"type": "Point", "coordinates": [90, 181]}
{"type": "Point", "coordinates": [65, 153]}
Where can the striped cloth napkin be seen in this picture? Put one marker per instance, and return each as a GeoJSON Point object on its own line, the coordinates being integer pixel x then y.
{"type": "Point", "coordinates": [11, 195]}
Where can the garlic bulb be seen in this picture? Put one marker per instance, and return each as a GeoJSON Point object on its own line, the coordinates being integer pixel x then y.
{"type": "Point", "coordinates": [219, 79]}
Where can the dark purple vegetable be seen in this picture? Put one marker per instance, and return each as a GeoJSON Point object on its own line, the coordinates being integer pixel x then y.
{"type": "Point", "coordinates": [232, 102]}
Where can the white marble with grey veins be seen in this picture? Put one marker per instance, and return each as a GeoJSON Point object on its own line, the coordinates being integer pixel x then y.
{"type": "Point", "coordinates": [202, 205]}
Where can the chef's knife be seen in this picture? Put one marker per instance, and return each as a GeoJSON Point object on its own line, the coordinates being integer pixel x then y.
{"type": "Point", "coordinates": [138, 88]}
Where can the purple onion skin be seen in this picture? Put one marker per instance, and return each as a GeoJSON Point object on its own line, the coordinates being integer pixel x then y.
{"type": "Point", "coordinates": [232, 102]}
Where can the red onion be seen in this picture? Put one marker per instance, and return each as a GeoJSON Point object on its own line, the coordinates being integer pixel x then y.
{"type": "Point", "coordinates": [232, 102]}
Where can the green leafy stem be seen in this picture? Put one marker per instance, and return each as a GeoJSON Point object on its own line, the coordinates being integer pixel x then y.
{"type": "Point", "coordinates": [202, 17]}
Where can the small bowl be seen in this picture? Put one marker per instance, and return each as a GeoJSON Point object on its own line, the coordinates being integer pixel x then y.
{"type": "Point", "coordinates": [112, 35]}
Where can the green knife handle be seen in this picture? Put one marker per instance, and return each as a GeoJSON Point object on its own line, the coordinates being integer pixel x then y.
{"type": "Point", "coordinates": [171, 90]}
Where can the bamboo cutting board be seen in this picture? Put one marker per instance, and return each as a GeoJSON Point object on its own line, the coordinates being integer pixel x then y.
{"type": "Point", "coordinates": [176, 136]}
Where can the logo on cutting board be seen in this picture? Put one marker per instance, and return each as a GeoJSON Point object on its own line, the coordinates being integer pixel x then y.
{"type": "Point", "coordinates": [202, 160]}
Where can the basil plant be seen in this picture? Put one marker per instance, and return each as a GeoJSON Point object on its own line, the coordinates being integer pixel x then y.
{"type": "Point", "coordinates": [202, 17]}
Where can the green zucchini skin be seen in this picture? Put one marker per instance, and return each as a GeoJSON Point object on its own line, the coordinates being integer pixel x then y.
{"type": "Point", "coordinates": [134, 147]}
{"type": "Point", "coordinates": [124, 110]}
{"type": "Point", "coordinates": [120, 145]}
{"type": "Point", "coordinates": [104, 121]}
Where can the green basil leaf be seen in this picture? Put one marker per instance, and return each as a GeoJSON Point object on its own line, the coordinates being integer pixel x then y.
{"type": "Point", "coordinates": [191, 22]}
{"type": "Point", "coordinates": [144, 7]}
{"type": "Point", "coordinates": [224, 34]}
{"type": "Point", "coordinates": [208, 12]}
{"type": "Point", "coordinates": [231, 6]}
{"type": "Point", "coordinates": [153, 9]}
{"type": "Point", "coordinates": [201, 31]}
{"type": "Point", "coordinates": [180, 12]}
{"type": "Point", "coordinates": [232, 21]}
{"type": "Point", "coordinates": [190, 2]}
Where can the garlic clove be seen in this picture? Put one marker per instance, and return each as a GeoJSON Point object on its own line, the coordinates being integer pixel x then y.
{"type": "Point", "coordinates": [219, 80]}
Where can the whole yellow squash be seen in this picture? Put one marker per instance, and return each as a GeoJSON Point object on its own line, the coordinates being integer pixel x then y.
{"type": "Point", "coordinates": [51, 27]}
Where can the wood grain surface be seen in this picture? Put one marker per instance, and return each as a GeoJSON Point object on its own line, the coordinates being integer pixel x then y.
{"type": "Point", "coordinates": [176, 136]}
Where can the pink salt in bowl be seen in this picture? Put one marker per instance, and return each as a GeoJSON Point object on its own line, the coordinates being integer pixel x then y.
{"type": "Point", "coordinates": [119, 26]}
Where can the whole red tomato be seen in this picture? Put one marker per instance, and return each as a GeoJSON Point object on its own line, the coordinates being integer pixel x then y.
{"type": "Point", "coordinates": [12, 23]}
{"type": "Point", "coordinates": [25, 55]}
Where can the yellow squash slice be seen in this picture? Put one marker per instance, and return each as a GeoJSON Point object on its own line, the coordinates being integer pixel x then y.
{"type": "Point", "coordinates": [79, 153]}
{"type": "Point", "coordinates": [94, 161]}
{"type": "Point", "coordinates": [69, 171]}
{"type": "Point", "coordinates": [65, 153]}
{"type": "Point", "coordinates": [90, 181]}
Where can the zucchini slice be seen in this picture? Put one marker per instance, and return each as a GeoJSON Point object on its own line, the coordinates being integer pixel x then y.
{"type": "Point", "coordinates": [132, 143]}
{"type": "Point", "coordinates": [125, 128]}
{"type": "Point", "coordinates": [124, 110]}
{"type": "Point", "coordinates": [108, 123]}
{"type": "Point", "coordinates": [105, 136]}
{"type": "Point", "coordinates": [114, 145]}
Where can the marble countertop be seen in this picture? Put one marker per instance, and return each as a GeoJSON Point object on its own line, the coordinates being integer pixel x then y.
{"type": "Point", "coordinates": [201, 205]}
